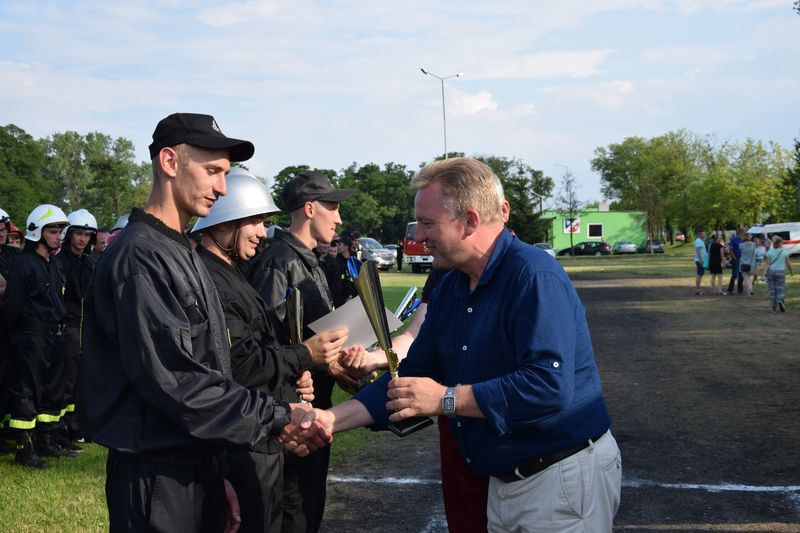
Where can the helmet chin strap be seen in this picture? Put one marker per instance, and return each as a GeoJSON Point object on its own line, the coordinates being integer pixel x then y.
{"type": "Point", "coordinates": [230, 252]}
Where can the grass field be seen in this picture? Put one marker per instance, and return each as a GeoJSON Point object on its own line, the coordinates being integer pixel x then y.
{"type": "Point", "coordinates": [69, 496]}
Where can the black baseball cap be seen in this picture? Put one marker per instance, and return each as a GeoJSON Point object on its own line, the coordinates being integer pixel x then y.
{"type": "Point", "coordinates": [311, 186]}
{"type": "Point", "coordinates": [198, 130]}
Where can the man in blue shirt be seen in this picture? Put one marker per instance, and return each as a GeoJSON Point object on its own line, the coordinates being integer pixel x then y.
{"type": "Point", "coordinates": [505, 353]}
{"type": "Point", "coordinates": [736, 259]}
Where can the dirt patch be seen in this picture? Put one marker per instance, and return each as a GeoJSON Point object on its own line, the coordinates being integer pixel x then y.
{"type": "Point", "coordinates": [704, 395]}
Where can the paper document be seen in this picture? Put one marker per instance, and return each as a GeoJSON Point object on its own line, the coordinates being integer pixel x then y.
{"type": "Point", "coordinates": [353, 317]}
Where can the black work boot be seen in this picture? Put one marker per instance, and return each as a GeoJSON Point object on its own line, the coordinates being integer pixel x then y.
{"type": "Point", "coordinates": [62, 439]}
{"type": "Point", "coordinates": [26, 453]}
{"type": "Point", "coordinates": [47, 446]}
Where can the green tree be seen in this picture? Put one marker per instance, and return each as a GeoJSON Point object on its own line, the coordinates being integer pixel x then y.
{"type": "Point", "coordinates": [22, 186]}
{"type": "Point", "coordinates": [567, 202]}
{"type": "Point", "coordinates": [384, 203]}
{"type": "Point", "coordinates": [65, 165]}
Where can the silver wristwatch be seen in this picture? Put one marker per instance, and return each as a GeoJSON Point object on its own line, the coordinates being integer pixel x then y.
{"type": "Point", "coordinates": [449, 402]}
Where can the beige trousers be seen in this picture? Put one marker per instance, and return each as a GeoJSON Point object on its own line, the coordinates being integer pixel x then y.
{"type": "Point", "coordinates": [578, 494]}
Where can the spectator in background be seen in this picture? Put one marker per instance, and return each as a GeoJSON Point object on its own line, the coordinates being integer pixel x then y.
{"type": "Point", "coordinates": [700, 260]}
{"type": "Point", "coordinates": [14, 236]}
{"type": "Point", "coordinates": [716, 260]}
{"type": "Point", "coordinates": [400, 256]}
{"type": "Point", "coordinates": [760, 252]}
{"type": "Point", "coordinates": [747, 262]}
{"type": "Point", "coordinates": [777, 264]}
{"type": "Point", "coordinates": [735, 261]}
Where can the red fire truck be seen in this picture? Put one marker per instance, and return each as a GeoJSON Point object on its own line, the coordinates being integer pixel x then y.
{"type": "Point", "coordinates": [415, 254]}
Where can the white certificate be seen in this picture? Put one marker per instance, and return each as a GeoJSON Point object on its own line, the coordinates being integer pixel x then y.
{"type": "Point", "coordinates": [353, 317]}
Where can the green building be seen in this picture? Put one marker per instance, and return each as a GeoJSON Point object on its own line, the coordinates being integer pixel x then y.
{"type": "Point", "coordinates": [595, 224]}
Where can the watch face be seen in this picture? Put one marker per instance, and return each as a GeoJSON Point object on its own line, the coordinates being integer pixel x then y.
{"type": "Point", "coordinates": [449, 404]}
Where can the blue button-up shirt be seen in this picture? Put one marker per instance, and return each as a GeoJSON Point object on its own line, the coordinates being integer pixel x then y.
{"type": "Point", "coordinates": [522, 341]}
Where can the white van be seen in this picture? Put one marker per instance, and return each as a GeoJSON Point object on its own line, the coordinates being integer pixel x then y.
{"type": "Point", "coordinates": [788, 231]}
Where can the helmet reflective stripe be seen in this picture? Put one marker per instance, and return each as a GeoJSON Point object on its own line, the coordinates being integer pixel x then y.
{"type": "Point", "coordinates": [246, 197]}
{"type": "Point", "coordinates": [40, 217]}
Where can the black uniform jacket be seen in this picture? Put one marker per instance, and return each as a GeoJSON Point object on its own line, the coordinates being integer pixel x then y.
{"type": "Point", "coordinates": [339, 279]}
{"type": "Point", "coordinates": [77, 271]}
{"type": "Point", "coordinates": [257, 360]}
{"type": "Point", "coordinates": [32, 301]}
{"type": "Point", "coordinates": [288, 262]}
{"type": "Point", "coordinates": [7, 256]}
{"type": "Point", "coordinates": [155, 372]}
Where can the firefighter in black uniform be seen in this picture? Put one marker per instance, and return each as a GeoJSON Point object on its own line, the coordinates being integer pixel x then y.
{"type": "Point", "coordinates": [34, 311]}
{"type": "Point", "coordinates": [7, 255]}
{"type": "Point", "coordinates": [76, 264]}
{"type": "Point", "coordinates": [338, 274]}
{"type": "Point", "coordinates": [155, 378]}
{"type": "Point", "coordinates": [231, 233]}
{"type": "Point", "coordinates": [290, 262]}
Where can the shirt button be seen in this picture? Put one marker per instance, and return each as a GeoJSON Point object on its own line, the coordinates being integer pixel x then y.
{"type": "Point", "coordinates": [468, 460]}
{"type": "Point", "coordinates": [469, 309]}
{"type": "Point", "coordinates": [458, 424]}
{"type": "Point", "coordinates": [464, 348]}
{"type": "Point", "coordinates": [555, 364]}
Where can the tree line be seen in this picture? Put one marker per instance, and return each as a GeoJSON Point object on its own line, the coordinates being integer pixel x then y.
{"type": "Point", "coordinates": [99, 173]}
{"type": "Point", "coordinates": [684, 181]}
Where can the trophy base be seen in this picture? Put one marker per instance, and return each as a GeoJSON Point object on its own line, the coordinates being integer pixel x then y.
{"type": "Point", "coordinates": [407, 426]}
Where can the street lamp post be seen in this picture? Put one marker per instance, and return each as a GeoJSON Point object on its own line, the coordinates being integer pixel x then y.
{"type": "Point", "coordinates": [444, 115]}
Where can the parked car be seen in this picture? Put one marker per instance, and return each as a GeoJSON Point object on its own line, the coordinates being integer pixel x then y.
{"type": "Point", "coordinates": [624, 247]}
{"type": "Point", "coordinates": [547, 247]}
{"type": "Point", "coordinates": [588, 248]}
{"type": "Point", "coordinates": [680, 237]}
{"type": "Point", "coordinates": [392, 248]}
{"type": "Point", "coordinates": [372, 250]}
{"type": "Point", "coordinates": [657, 246]}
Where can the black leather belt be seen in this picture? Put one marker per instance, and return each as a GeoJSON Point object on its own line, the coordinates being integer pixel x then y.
{"type": "Point", "coordinates": [534, 466]}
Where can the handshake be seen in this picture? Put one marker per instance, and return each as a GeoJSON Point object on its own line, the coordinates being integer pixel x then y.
{"type": "Point", "coordinates": [309, 430]}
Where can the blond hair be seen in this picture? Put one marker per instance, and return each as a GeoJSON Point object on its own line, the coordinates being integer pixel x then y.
{"type": "Point", "coordinates": [777, 242]}
{"type": "Point", "coordinates": [467, 184]}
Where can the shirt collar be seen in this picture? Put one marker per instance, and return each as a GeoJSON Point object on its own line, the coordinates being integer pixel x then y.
{"type": "Point", "coordinates": [501, 245]}
{"type": "Point", "coordinates": [306, 253]}
{"type": "Point", "coordinates": [139, 215]}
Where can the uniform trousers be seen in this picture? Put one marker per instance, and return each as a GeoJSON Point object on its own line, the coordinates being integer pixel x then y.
{"type": "Point", "coordinates": [304, 489]}
{"type": "Point", "coordinates": [257, 479]}
{"type": "Point", "coordinates": [169, 493]}
{"type": "Point", "coordinates": [577, 494]}
{"type": "Point", "coordinates": [37, 391]}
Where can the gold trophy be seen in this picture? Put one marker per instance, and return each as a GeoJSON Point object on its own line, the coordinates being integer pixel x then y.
{"type": "Point", "coordinates": [368, 285]}
{"type": "Point", "coordinates": [294, 317]}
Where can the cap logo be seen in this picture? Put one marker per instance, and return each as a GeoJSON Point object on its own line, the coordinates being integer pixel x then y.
{"type": "Point", "coordinates": [215, 127]}
{"type": "Point", "coordinates": [47, 214]}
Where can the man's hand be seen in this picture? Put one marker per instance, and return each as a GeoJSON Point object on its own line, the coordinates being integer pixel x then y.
{"type": "Point", "coordinates": [410, 397]}
{"type": "Point", "coordinates": [359, 362]}
{"type": "Point", "coordinates": [304, 434]}
{"type": "Point", "coordinates": [234, 513]}
{"type": "Point", "coordinates": [325, 346]}
{"type": "Point", "coordinates": [349, 381]}
{"type": "Point", "coordinates": [305, 387]}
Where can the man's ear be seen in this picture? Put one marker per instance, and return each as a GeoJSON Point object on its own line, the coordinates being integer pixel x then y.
{"type": "Point", "coordinates": [309, 209]}
{"type": "Point", "coordinates": [169, 161]}
{"type": "Point", "coordinates": [473, 220]}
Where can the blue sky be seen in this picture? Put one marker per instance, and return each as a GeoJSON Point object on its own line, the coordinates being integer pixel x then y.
{"type": "Point", "coordinates": [330, 83]}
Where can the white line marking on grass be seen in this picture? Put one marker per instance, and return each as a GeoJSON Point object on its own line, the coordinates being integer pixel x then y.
{"type": "Point", "coordinates": [385, 480]}
{"type": "Point", "coordinates": [725, 487]}
{"type": "Point", "coordinates": [630, 483]}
